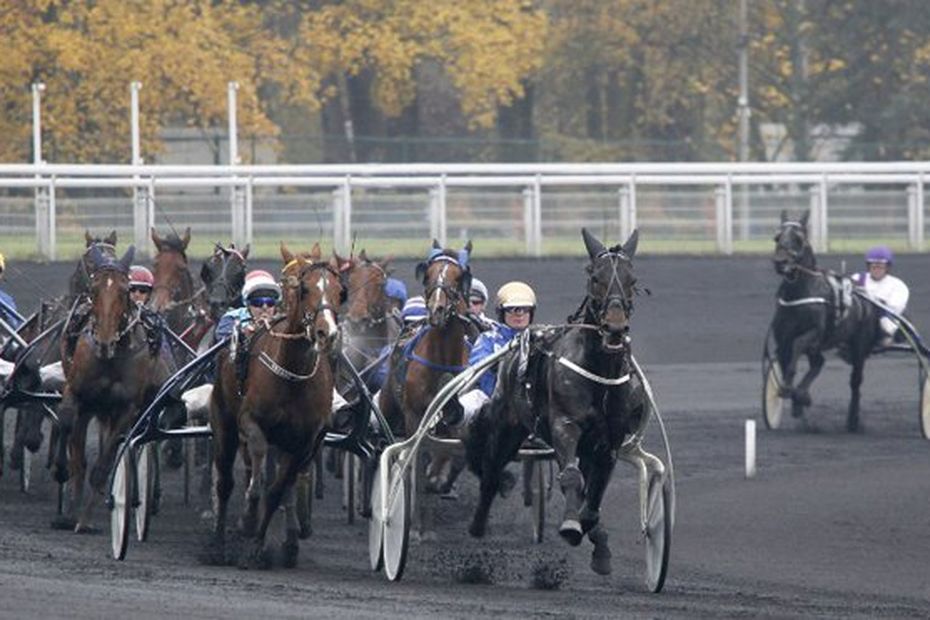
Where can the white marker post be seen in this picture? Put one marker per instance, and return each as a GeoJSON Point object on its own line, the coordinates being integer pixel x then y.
{"type": "Point", "coordinates": [750, 448]}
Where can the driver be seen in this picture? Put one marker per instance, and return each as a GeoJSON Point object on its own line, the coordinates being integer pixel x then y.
{"type": "Point", "coordinates": [886, 288]}
{"type": "Point", "coordinates": [141, 282]}
{"type": "Point", "coordinates": [8, 306]}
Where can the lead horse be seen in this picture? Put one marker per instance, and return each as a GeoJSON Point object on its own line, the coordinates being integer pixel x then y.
{"type": "Point", "coordinates": [573, 386]}
{"type": "Point", "coordinates": [814, 315]}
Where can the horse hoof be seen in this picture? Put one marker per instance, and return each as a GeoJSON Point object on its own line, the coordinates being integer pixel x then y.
{"type": "Point", "coordinates": [477, 530]}
{"type": "Point", "coordinates": [802, 399]}
{"type": "Point", "coordinates": [82, 528]}
{"type": "Point", "coordinates": [507, 483]}
{"type": "Point", "coordinates": [305, 532]}
{"type": "Point", "coordinates": [571, 531]}
{"type": "Point", "coordinates": [600, 557]}
{"type": "Point", "coordinates": [289, 552]}
{"type": "Point", "coordinates": [256, 557]}
{"type": "Point", "coordinates": [853, 426]}
{"type": "Point", "coordinates": [589, 521]}
{"type": "Point", "coordinates": [62, 522]}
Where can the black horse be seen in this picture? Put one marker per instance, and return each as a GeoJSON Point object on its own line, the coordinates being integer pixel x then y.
{"type": "Point", "coordinates": [816, 312]}
{"type": "Point", "coordinates": [573, 387]}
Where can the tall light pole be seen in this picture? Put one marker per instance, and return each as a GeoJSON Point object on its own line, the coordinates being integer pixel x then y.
{"type": "Point", "coordinates": [743, 111]}
{"type": "Point", "coordinates": [42, 194]}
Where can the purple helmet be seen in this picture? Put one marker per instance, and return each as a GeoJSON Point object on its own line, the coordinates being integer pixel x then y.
{"type": "Point", "coordinates": [879, 254]}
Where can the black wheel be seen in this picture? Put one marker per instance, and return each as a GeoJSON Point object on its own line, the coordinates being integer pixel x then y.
{"type": "Point", "coordinates": [658, 533]}
{"type": "Point", "coordinates": [396, 524]}
{"type": "Point", "coordinates": [539, 501]}
{"type": "Point", "coordinates": [773, 405]}
{"type": "Point", "coordinates": [349, 466]}
{"type": "Point", "coordinates": [376, 524]}
{"type": "Point", "coordinates": [146, 470]}
{"type": "Point", "coordinates": [924, 403]}
{"type": "Point", "coordinates": [121, 510]}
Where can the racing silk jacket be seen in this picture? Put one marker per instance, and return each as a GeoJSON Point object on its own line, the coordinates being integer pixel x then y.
{"type": "Point", "coordinates": [8, 300]}
{"type": "Point", "coordinates": [228, 322]}
{"type": "Point", "coordinates": [891, 291]}
{"type": "Point", "coordinates": [487, 343]}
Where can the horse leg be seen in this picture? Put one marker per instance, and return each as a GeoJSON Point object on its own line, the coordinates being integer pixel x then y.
{"type": "Point", "coordinates": [287, 470]}
{"type": "Point", "coordinates": [76, 448]}
{"type": "Point", "coordinates": [499, 446]}
{"type": "Point", "coordinates": [225, 446]}
{"type": "Point", "coordinates": [565, 437]}
{"type": "Point", "coordinates": [855, 381]}
{"type": "Point", "coordinates": [292, 530]}
{"type": "Point", "coordinates": [789, 361]}
{"type": "Point", "coordinates": [597, 470]}
{"type": "Point", "coordinates": [110, 434]}
{"type": "Point", "coordinates": [257, 448]}
{"type": "Point", "coordinates": [802, 394]}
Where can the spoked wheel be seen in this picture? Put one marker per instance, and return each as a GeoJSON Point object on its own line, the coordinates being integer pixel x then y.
{"type": "Point", "coordinates": [376, 524]}
{"type": "Point", "coordinates": [146, 469]}
{"type": "Point", "coordinates": [658, 532]}
{"type": "Point", "coordinates": [924, 404]}
{"type": "Point", "coordinates": [772, 403]}
{"type": "Point", "coordinates": [348, 485]}
{"type": "Point", "coordinates": [539, 501]}
{"type": "Point", "coordinates": [121, 510]}
{"type": "Point", "coordinates": [396, 524]}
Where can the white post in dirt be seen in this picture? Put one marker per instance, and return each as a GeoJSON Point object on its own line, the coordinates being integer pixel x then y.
{"type": "Point", "coordinates": [140, 194]}
{"type": "Point", "coordinates": [236, 192]}
{"type": "Point", "coordinates": [750, 448]}
{"type": "Point", "coordinates": [528, 219]}
{"type": "Point", "coordinates": [919, 223]}
{"type": "Point", "coordinates": [42, 193]}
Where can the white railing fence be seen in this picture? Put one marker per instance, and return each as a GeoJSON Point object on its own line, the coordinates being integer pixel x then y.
{"type": "Point", "coordinates": [516, 209]}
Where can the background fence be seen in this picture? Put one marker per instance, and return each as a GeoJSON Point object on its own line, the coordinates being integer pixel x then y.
{"type": "Point", "coordinates": [506, 209]}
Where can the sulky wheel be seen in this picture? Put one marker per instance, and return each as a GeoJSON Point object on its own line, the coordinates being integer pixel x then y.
{"type": "Point", "coordinates": [924, 403]}
{"type": "Point", "coordinates": [396, 523]}
{"type": "Point", "coordinates": [376, 524]}
{"type": "Point", "coordinates": [772, 402]}
{"type": "Point", "coordinates": [121, 509]}
{"type": "Point", "coordinates": [539, 501]}
{"type": "Point", "coordinates": [146, 470]}
{"type": "Point", "coordinates": [349, 465]}
{"type": "Point", "coordinates": [25, 471]}
{"type": "Point", "coordinates": [658, 533]}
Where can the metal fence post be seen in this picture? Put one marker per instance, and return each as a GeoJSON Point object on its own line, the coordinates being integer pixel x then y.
{"type": "Point", "coordinates": [911, 191]}
{"type": "Point", "coordinates": [824, 237]}
{"type": "Point", "coordinates": [346, 241]}
{"type": "Point", "coordinates": [537, 216]}
{"type": "Point", "coordinates": [249, 197]}
{"type": "Point", "coordinates": [719, 217]}
{"type": "Point", "coordinates": [434, 214]}
{"type": "Point", "coordinates": [337, 215]}
{"type": "Point", "coordinates": [919, 239]}
{"type": "Point", "coordinates": [813, 223]}
{"type": "Point", "coordinates": [441, 206]}
{"type": "Point", "coordinates": [624, 205]}
{"type": "Point", "coordinates": [139, 192]}
{"type": "Point", "coordinates": [728, 216]}
{"type": "Point", "coordinates": [52, 213]}
{"type": "Point", "coordinates": [634, 216]}
{"type": "Point", "coordinates": [528, 219]}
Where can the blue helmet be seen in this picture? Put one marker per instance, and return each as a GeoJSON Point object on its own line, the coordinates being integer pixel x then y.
{"type": "Point", "coordinates": [395, 289]}
{"type": "Point", "coordinates": [879, 254]}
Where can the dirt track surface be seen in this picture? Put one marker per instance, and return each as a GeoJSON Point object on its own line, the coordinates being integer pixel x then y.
{"type": "Point", "coordinates": [834, 525]}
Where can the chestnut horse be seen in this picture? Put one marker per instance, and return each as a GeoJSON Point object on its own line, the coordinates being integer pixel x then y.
{"type": "Point", "coordinates": [285, 402]}
{"type": "Point", "coordinates": [173, 294]}
{"type": "Point", "coordinates": [369, 322]}
{"type": "Point", "coordinates": [113, 371]}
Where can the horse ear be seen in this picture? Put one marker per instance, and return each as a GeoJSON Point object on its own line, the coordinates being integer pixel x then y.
{"type": "Point", "coordinates": [186, 238]}
{"type": "Point", "coordinates": [468, 246]}
{"type": "Point", "coordinates": [156, 239]}
{"type": "Point", "coordinates": [591, 243]}
{"type": "Point", "coordinates": [386, 261]}
{"type": "Point", "coordinates": [126, 260]}
{"type": "Point", "coordinates": [363, 256]}
{"type": "Point", "coordinates": [205, 274]}
{"type": "Point", "coordinates": [436, 245]}
{"type": "Point", "coordinates": [88, 238]}
{"type": "Point", "coordinates": [784, 215]}
{"type": "Point", "coordinates": [111, 238]}
{"type": "Point", "coordinates": [245, 250]}
{"type": "Point", "coordinates": [286, 254]}
{"type": "Point", "coordinates": [804, 219]}
{"type": "Point", "coordinates": [316, 252]}
{"type": "Point", "coordinates": [421, 272]}
{"type": "Point", "coordinates": [629, 248]}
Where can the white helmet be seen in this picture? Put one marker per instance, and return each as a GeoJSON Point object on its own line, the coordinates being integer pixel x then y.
{"type": "Point", "coordinates": [478, 289]}
{"type": "Point", "coordinates": [260, 281]}
{"type": "Point", "coordinates": [516, 295]}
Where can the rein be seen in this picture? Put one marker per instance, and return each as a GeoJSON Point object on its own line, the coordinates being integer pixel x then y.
{"type": "Point", "coordinates": [279, 371]}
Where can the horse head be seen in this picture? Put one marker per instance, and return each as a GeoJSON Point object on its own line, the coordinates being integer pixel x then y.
{"type": "Point", "coordinates": [80, 280]}
{"type": "Point", "coordinates": [173, 280]}
{"type": "Point", "coordinates": [367, 302]}
{"type": "Point", "coordinates": [223, 275]}
{"type": "Point", "coordinates": [446, 279]}
{"type": "Point", "coordinates": [109, 291]}
{"type": "Point", "coordinates": [610, 290]}
{"type": "Point", "coordinates": [313, 291]}
{"type": "Point", "coordinates": [792, 248]}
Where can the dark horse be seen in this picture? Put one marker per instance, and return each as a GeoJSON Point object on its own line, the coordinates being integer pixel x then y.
{"type": "Point", "coordinates": [573, 387]}
{"type": "Point", "coordinates": [223, 275]}
{"type": "Point", "coordinates": [112, 372]}
{"type": "Point", "coordinates": [814, 315]}
{"type": "Point", "coordinates": [173, 294]}
{"type": "Point", "coordinates": [285, 402]}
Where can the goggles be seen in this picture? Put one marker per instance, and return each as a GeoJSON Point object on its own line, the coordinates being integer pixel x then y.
{"type": "Point", "coordinates": [518, 310]}
{"type": "Point", "coordinates": [140, 288]}
{"type": "Point", "coordinates": [263, 302]}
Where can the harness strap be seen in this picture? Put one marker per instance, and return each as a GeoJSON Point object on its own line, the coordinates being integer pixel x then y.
{"type": "Point", "coordinates": [803, 301]}
{"type": "Point", "coordinates": [279, 371]}
{"type": "Point", "coordinates": [410, 354]}
{"type": "Point", "coordinates": [590, 375]}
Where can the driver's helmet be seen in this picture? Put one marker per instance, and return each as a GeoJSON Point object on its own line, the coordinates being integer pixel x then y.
{"type": "Point", "coordinates": [2, 263]}
{"type": "Point", "coordinates": [395, 289]}
{"type": "Point", "coordinates": [141, 278]}
{"type": "Point", "coordinates": [260, 283]}
{"type": "Point", "coordinates": [478, 292]}
{"type": "Point", "coordinates": [879, 254]}
{"type": "Point", "coordinates": [414, 309]}
{"type": "Point", "coordinates": [515, 295]}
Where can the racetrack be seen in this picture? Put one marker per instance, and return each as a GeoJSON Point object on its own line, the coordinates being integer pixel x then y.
{"type": "Point", "coordinates": [834, 524]}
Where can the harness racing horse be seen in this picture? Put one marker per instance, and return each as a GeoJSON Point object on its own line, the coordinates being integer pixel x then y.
{"type": "Point", "coordinates": [223, 275]}
{"type": "Point", "coordinates": [572, 386]}
{"type": "Point", "coordinates": [173, 294]}
{"type": "Point", "coordinates": [79, 283]}
{"type": "Point", "coordinates": [813, 315]}
{"type": "Point", "coordinates": [285, 402]}
{"type": "Point", "coordinates": [113, 371]}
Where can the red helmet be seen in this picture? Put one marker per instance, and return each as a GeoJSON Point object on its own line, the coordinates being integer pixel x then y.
{"type": "Point", "coordinates": [141, 277]}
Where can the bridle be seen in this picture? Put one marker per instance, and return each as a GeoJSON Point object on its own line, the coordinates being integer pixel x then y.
{"type": "Point", "coordinates": [377, 313]}
{"type": "Point", "coordinates": [128, 320]}
{"type": "Point", "coordinates": [85, 274]}
{"type": "Point", "coordinates": [309, 316]}
{"type": "Point", "coordinates": [616, 295]}
{"type": "Point", "coordinates": [230, 290]}
{"type": "Point", "coordinates": [792, 264]}
{"type": "Point", "coordinates": [453, 290]}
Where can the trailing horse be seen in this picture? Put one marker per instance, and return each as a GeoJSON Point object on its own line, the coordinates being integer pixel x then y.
{"type": "Point", "coordinates": [572, 386]}
{"type": "Point", "coordinates": [113, 370]}
{"type": "Point", "coordinates": [817, 311]}
{"type": "Point", "coordinates": [173, 294]}
{"type": "Point", "coordinates": [284, 403]}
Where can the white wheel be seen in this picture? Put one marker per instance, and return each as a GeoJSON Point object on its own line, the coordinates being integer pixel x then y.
{"type": "Point", "coordinates": [924, 404]}
{"type": "Point", "coordinates": [396, 524]}
{"type": "Point", "coordinates": [121, 512]}
{"type": "Point", "coordinates": [348, 485]}
{"type": "Point", "coordinates": [539, 501]}
{"type": "Point", "coordinates": [376, 524]}
{"type": "Point", "coordinates": [658, 533]}
{"type": "Point", "coordinates": [145, 483]}
{"type": "Point", "coordinates": [772, 403]}
{"type": "Point", "coordinates": [25, 471]}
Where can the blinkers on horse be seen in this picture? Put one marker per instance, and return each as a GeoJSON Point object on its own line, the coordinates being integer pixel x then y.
{"type": "Point", "coordinates": [608, 301]}
{"type": "Point", "coordinates": [447, 280]}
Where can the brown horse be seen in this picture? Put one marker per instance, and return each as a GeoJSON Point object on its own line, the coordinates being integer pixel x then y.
{"type": "Point", "coordinates": [112, 372]}
{"type": "Point", "coordinates": [285, 402]}
{"type": "Point", "coordinates": [173, 294]}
